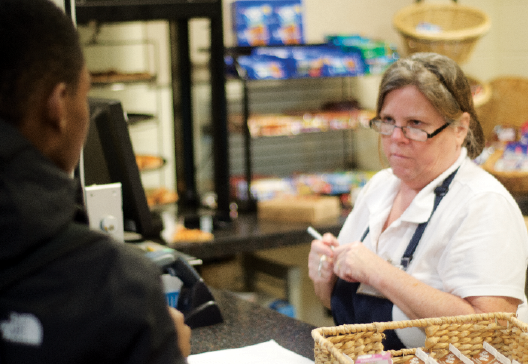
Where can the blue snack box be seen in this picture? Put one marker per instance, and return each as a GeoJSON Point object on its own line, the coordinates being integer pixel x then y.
{"type": "Point", "coordinates": [315, 60]}
{"type": "Point", "coordinates": [272, 22]}
{"type": "Point", "coordinates": [287, 25]}
{"type": "Point", "coordinates": [264, 67]}
{"type": "Point", "coordinates": [251, 20]}
{"type": "Point", "coordinates": [337, 63]}
{"type": "Point", "coordinates": [377, 55]}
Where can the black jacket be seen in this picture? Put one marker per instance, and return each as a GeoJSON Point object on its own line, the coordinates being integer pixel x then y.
{"type": "Point", "coordinates": [91, 300]}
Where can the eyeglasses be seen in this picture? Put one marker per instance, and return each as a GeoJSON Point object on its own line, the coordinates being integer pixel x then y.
{"type": "Point", "coordinates": [420, 135]}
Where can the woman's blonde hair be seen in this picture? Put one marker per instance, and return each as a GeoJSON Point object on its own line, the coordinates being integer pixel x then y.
{"type": "Point", "coordinates": [443, 83]}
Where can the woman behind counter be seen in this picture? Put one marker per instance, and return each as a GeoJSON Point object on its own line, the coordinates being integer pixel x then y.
{"type": "Point", "coordinates": [433, 235]}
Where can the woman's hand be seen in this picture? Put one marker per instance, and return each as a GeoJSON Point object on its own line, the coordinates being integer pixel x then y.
{"type": "Point", "coordinates": [320, 259]}
{"type": "Point", "coordinates": [321, 267]}
{"type": "Point", "coordinates": [182, 331]}
{"type": "Point", "coordinates": [354, 262]}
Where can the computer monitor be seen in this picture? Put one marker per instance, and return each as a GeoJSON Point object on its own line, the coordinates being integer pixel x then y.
{"type": "Point", "coordinates": [108, 157]}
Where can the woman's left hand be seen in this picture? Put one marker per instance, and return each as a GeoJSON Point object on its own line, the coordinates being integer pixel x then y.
{"type": "Point", "coordinates": [354, 262]}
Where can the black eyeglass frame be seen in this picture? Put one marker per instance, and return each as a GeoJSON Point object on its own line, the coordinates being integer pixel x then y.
{"type": "Point", "coordinates": [403, 128]}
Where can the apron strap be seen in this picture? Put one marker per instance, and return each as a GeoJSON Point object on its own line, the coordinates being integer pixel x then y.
{"type": "Point", "coordinates": [440, 192]}
{"type": "Point", "coordinates": [349, 307]}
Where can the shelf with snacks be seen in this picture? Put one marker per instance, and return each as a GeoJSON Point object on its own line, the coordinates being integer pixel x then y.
{"type": "Point", "coordinates": [311, 90]}
{"type": "Point", "coordinates": [268, 79]}
{"type": "Point", "coordinates": [292, 124]}
{"type": "Point", "coordinates": [127, 68]}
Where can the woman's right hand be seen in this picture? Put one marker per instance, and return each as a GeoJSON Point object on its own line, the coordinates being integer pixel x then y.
{"type": "Point", "coordinates": [320, 259]}
{"type": "Point", "coordinates": [321, 267]}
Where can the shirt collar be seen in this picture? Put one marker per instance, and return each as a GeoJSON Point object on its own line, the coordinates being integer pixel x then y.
{"type": "Point", "coordinates": [422, 205]}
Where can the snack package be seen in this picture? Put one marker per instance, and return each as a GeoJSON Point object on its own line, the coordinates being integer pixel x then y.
{"type": "Point", "coordinates": [264, 67]}
{"type": "Point", "coordinates": [377, 55]}
{"type": "Point", "coordinates": [338, 63]}
{"type": "Point", "coordinates": [251, 22]}
{"type": "Point", "coordinates": [261, 23]}
{"type": "Point", "coordinates": [287, 25]}
{"type": "Point", "coordinates": [382, 358]}
{"type": "Point", "coordinates": [489, 355]}
{"type": "Point", "coordinates": [514, 158]}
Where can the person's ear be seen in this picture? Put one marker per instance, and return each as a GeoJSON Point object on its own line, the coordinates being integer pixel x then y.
{"type": "Point", "coordinates": [56, 107]}
{"type": "Point", "coordinates": [462, 128]}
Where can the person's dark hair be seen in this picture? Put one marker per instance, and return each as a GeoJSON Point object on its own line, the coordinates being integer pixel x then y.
{"type": "Point", "coordinates": [40, 48]}
{"type": "Point", "coordinates": [443, 83]}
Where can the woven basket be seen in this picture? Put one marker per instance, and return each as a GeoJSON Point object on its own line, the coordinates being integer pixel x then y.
{"type": "Point", "coordinates": [515, 181]}
{"type": "Point", "coordinates": [502, 330]}
{"type": "Point", "coordinates": [506, 106]}
{"type": "Point", "coordinates": [461, 28]}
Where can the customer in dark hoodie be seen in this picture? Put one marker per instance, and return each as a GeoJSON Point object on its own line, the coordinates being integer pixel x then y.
{"type": "Point", "coordinates": [67, 294]}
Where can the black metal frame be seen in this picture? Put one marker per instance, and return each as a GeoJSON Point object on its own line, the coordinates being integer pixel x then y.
{"type": "Point", "coordinates": [178, 13]}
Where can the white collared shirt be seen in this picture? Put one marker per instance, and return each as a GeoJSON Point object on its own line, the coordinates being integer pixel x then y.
{"type": "Point", "coordinates": [476, 243]}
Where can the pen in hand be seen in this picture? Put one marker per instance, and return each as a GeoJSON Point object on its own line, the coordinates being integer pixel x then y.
{"type": "Point", "coordinates": [318, 236]}
{"type": "Point", "coordinates": [314, 233]}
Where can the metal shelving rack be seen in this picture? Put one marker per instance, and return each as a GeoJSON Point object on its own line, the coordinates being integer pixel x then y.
{"type": "Point", "coordinates": [178, 13]}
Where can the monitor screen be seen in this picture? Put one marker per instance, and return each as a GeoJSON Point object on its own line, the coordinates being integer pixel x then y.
{"type": "Point", "coordinates": [108, 157]}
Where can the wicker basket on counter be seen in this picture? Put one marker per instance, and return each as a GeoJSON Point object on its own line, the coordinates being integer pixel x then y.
{"type": "Point", "coordinates": [507, 334]}
{"type": "Point", "coordinates": [461, 28]}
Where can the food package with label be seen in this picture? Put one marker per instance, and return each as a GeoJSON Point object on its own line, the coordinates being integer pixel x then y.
{"type": "Point", "coordinates": [377, 55]}
{"type": "Point", "coordinates": [287, 23]}
{"type": "Point", "coordinates": [381, 358]}
{"type": "Point", "coordinates": [262, 67]}
{"type": "Point", "coordinates": [322, 60]}
{"type": "Point", "coordinates": [263, 23]}
{"type": "Point", "coordinates": [514, 158]}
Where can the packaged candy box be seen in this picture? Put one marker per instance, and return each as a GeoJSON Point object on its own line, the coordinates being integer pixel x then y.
{"type": "Point", "coordinates": [272, 22]}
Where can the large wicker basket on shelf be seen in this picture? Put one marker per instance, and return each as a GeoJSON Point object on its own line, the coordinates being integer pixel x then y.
{"type": "Point", "coordinates": [339, 344]}
{"type": "Point", "coordinates": [461, 28]}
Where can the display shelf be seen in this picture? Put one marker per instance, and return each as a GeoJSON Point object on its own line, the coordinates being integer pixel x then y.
{"type": "Point", "coordinates": [137, 118]}
{"type": "Point", "coordinates": [253, 125]}
{"type": "Point", "coordinates": [127, 70]}
{"type": "Point", "coordinates": [113, 77]}
{"type": "Point", "coordinates": [271, 125]}
{"type": "Point", "coordinates": [179, 13]}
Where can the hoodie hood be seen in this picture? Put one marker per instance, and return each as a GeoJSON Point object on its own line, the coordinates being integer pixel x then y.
{"type": "Point", "coordinates": [37, 199]}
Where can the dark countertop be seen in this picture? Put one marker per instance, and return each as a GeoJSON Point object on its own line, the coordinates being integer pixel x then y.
{"type": "Point", "coordinates": [246, 323]}
{"type": "Point", "coordinates": [248, 234]}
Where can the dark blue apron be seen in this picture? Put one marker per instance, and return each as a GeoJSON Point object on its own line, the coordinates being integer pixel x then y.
{"type": "Point", "coordinates": [349, 307]}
